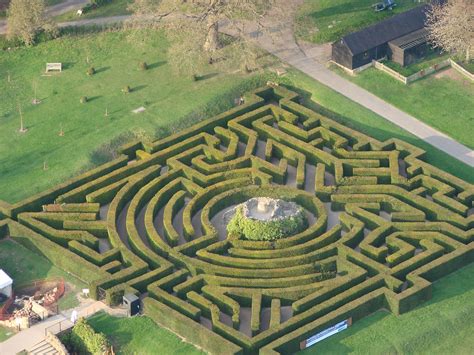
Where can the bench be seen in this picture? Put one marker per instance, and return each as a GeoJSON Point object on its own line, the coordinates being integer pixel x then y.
{"type": "Point", "coordinates": [54, 67]}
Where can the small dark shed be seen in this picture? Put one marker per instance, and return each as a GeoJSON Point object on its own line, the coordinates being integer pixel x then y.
{"type": "Point", "coordinates": [410, 48]}
{"type": "Point", "coordinates": [360, 48]}
{"type": "Point", "coordinates": [132, 304]}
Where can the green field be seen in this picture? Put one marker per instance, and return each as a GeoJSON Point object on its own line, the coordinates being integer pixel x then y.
{"type": "Point", "coordinates": [139, 335]}
{"type": "Point", "coordinates": [321, 21]}
{"type": "Point", "coordinates": [24, 266]}
{"type": "Point", "coordinates": [443, 103]}
{"type": "Point", "coordinates": [443, 325]}
{"type": "Point", "coordinates": [114, 8]}
{"type": "Point", "coordinates": [168, 98]}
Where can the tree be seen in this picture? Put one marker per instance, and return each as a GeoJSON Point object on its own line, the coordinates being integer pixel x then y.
{"type": "Point", "coordinates": [451, 26]}
{"type": "Point", "coordinates": [26, 19]}
{"type": "Point", "coordinates": [192, 28]}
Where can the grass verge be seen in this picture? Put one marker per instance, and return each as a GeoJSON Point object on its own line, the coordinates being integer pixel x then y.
{"type": "Point", "coordinates": [355, 116]}
{"type": "Point", "coordinates": [439, 101]}
{"type": "Point", "coordinates": [139, 335]}
{"type": "Point", "coordinates": [443, 325]}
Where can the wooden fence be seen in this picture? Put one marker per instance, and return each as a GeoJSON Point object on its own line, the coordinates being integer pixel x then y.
{"type": "Point", "coordinates": [424, 72]}
{"type": "Point", "coordinates": [4, 315]}
{"type": "Point", "coordinates": [418, 75]}
{"type": "Point", "coordinates": [461, 70]}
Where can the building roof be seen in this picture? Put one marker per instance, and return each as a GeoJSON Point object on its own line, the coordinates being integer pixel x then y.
{"type": "Point", "coordinates": [412, 39]}
{"type": "Point", "coordinates": [387, 30]}
{"type": "Point", "coordinates": [5, 280]}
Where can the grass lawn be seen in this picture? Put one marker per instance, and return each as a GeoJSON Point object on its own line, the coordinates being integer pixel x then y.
{"type": "Point", "coordinates": [139, 335]}
{"type": "Point", "coordinates": [411, 69]}
{"type": "Point", "coordinates": [24, 266]}
{"type": "Point", "coordinates": [167, 97]}
{"type": "Point", "coordinates": [321, 21]}
{"type": "Point", "coordinates": [443, 103]}
{"type": "Point", "coordinates": [443, 325]}
{"type": "Point", "coordinates": [114, 8]}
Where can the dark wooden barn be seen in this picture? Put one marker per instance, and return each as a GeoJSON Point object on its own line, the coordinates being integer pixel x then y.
{"type": "Point", "coordinates": [404, 31]}
{"type": "Point", "coordinates": [410, 48]}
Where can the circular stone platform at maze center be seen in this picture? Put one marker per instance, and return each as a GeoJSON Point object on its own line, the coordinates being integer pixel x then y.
{"type": "Point", "coordinates": [264, 218]}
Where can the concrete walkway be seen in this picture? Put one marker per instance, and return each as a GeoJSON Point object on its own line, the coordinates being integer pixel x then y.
{"type": "Point", "coordinates": [28, 338]}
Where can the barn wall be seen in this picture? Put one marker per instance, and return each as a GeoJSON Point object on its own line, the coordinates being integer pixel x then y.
{"type": "Point", "coordinates": [372, 54]}
{"type": "Point", "coordinates": [341, 54]}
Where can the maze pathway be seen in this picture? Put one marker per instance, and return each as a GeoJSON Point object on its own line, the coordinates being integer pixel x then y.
{"type": "Point", "coordinates": [383, 226]}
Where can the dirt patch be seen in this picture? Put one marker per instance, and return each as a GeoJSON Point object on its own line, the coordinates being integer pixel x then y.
{"type": "Point", "coordinates": [449, 73]}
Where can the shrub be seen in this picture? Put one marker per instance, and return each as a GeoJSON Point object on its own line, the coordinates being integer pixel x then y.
{"type": "Point", "coordinates": [126, 89]}
{"type": "Point", "coordinates": [143, 66]}
{"type": "Point", "coordinates": [84, 340]}
{"type": "Point", "coordinates": [254, 229]}
{"type": "Point", "coordinates": [91, 71]}
{"type": "Point", "coordinates": [84, 99]}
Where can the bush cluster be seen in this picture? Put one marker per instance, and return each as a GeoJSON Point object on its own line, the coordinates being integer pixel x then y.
{"type": "Point", "coordinates": [84, 340]}
{"type": "Point", "coordinates": [254, 229]}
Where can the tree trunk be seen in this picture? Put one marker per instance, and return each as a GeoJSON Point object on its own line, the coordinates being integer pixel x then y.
{"type": "Point", "coordinates": [212, 39]}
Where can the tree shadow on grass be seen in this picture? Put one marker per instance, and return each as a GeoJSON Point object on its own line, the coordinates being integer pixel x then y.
{"type": "Point", "coordinates": [101, 70]}
{"type": "Point", "coordinates": [206, 76]}
{"type": "Point", "coordinates": [157, 64]}
{"type": "Point", "coordinates": [93, 98]}
{"type": "Point", "coordinates": [138, 88]}
{"type": "Point", "coordinates": [67, 65]}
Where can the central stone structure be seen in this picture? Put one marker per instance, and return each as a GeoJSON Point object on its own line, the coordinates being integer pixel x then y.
{"type": "Point", "coordinates": [264, 218]}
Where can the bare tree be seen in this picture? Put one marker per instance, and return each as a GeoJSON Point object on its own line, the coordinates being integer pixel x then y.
{"type": "Point", "coordinates": [193, 29]}
{"type": "Point", "coordinates": [26, 18]}
{"type": "Point", "coordinates": [451, 26]}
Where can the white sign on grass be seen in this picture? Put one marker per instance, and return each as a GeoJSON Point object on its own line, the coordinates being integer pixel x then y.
{"type": "Point", "coordinates": [339, 327]}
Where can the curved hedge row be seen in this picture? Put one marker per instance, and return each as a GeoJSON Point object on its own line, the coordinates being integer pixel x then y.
{"type": "Point", "coordinates": [386, 225]}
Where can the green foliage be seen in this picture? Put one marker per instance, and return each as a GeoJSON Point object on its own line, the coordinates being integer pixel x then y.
{"type": "Point", "coordinates": [84, 340]}
{"type": "Point", "coordinates": [126, 89]}
{"type": "Point", "coordinates": [91, 71]}
{"type": "Point", "coordinates": [83, 99]}
{"type": "Point", "coordinates": [254, 229]}
{"type": "Point", "coordinates": [143, 66]}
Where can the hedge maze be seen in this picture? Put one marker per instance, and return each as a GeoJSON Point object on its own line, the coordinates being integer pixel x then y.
{"type": "Point", "coordinates": [383, 226]}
